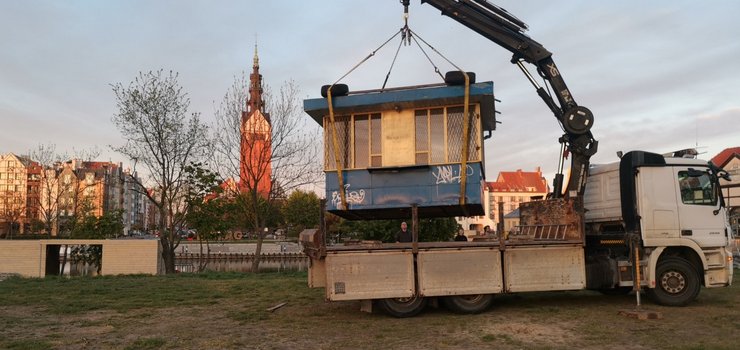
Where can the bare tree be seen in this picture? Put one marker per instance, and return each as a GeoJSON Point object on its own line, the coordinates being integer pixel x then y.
{"type": "Point", "coordinates": [153, 117]}
{"type": "Point", "coordinates": [291, 159]}
{"type": "Point", "coordinates": [14, 208]}
{"type": "Point", "coordinates": [53, 190]}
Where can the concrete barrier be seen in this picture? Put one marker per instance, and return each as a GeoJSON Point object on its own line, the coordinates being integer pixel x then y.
{"type": "Point", "coordinates": [32, 258]}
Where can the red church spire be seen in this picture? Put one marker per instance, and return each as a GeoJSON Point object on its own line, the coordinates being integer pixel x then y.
{"type": "Point", "coordinates": [255, 102]}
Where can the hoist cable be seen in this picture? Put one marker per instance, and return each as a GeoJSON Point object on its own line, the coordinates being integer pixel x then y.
{"type": "Point", "coordinates": [392, 63]}
{"type": "Point", "coordinates": [368, 57]}
{"type": "Point", "coordinates": [333, 127]}
{"type": "Point", "coordinates": [436, 69]}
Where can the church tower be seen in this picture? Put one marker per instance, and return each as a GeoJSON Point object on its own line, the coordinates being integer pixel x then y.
{"type": "Point", "coordinates": [255, 171]}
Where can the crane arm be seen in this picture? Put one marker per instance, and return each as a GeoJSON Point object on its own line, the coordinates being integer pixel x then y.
{"type": "Point", "coordinates": [499, 26]}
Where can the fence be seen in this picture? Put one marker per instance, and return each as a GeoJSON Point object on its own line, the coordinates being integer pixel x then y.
{"type": "Point", "coordinates": [241, 262]}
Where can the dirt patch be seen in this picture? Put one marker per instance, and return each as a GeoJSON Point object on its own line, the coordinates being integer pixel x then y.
{"type": "Point", "coordinates": [534, 333]}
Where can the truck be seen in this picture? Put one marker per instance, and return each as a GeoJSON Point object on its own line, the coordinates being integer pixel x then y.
{"type": "Point", "coordinates": [652, 222]}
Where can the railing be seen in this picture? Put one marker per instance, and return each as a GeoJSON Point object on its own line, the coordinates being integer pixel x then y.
{"type": "Point", "coordinates": [541, 232]}
{"type": "Point", "coordinates": [241, 262]}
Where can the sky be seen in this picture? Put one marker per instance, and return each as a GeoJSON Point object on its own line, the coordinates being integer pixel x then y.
{"type": "Point", "coordinates": [658, 75]}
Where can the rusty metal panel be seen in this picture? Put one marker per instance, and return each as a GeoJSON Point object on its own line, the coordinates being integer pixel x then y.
{"type": "Point", "coordinates": [555, 212]}
{"type": "Point", "coordinates": [369, 275]}
{"type": "Point", "coordinates": [317, 273]}
{"type": "Point", "coordinates": [544, 268]}
{"type": "Point", "coordinates": [460, 272]}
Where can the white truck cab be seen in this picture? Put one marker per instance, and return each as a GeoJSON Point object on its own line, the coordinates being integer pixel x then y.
{"type": "Point", "coordinates": [675, 208]}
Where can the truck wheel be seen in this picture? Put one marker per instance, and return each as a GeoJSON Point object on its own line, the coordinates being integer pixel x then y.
{"type": "Point", "coordinates": [469, 304]}
{"type": "Point", "coordinates": [677, 283]}
{"type": "Point", "coordinates": [403, 307]}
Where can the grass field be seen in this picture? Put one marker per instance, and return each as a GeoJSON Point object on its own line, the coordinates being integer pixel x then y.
{"type": "Point", "coordinates": [228, 311]}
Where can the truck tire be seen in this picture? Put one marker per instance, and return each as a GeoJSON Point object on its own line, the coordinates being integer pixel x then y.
{"type": "Point", "coordinates": [456, 77]}
{"type": "Point", "coordinates": [403, 307]}
{"type": "Point", "coordinates": [676, 283]}
{"type": "Point", "coordinates": [337, 90]}
{"type": "Point", "coordinates": [469, 304]}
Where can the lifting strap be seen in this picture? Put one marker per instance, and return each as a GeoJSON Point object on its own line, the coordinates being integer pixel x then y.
{"type": "Point", "coordinates": [335, 142]}
{"type": "Point", "coordinates": [466, 142]}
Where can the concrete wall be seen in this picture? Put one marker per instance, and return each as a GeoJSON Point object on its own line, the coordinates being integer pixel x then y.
{"type": "Point", "coordinates": [28, 258]}
{"type": "Point", "coordinates": [21, 257]}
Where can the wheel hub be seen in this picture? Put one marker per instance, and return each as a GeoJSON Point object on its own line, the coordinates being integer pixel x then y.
{"type": "Point", "coordinates": [673, 282]}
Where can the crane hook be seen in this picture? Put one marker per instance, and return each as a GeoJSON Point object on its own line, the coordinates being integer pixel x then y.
{"type": "Point", "coordinates": [405, 31]}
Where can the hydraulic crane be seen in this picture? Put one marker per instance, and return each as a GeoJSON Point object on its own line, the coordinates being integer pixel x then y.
{"type": "Point", "coordinates": [499, 26]}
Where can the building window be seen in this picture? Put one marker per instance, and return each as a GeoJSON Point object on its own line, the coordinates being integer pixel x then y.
{"type": "Point", "coordinates": [439, 135]}
{"type": "Point", "coordinates": [359, 140]}
{"type": "Point", "coordinates": [376, 139]}
{"type": "Point", "coordinates": [421, 121]}
{"type": "Point", "coordinates": [434, 137]}
{"type": "Point", "coordinates": [362, 141]}
{"type": "Point", "coordinates": [342, 125]}
{"type": "Point", "coordinates": [697, 188]}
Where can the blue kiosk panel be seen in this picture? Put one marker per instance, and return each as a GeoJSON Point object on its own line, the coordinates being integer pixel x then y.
{"type": "Point", "coordinates": [389, 194]}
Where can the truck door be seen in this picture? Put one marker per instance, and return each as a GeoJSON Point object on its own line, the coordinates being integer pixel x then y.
{"type": "Point", "coordinates": [656, 202]}
{"type": "Point", "coordinates": [700, 217]}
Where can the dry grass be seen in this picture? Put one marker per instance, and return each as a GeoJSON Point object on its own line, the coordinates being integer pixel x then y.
{"type": "Point", "coordinates": [228, 311]}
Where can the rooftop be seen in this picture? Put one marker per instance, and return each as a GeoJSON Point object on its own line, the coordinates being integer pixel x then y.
{"type": "Point", "coordinates": [519, 181]}
{"type": "Point", "coordinates": [725, 156]}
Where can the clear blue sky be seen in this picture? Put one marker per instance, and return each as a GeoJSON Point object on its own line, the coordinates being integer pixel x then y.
{"type": "Point", "coordinates": [658, 75]}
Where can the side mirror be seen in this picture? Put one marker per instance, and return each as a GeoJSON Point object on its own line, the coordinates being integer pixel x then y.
{"type": "Point", "coordinates": [725, 175]}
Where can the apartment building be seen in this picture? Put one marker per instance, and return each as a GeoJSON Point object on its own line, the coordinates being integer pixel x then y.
{"type": "Point", "coordinates": [19, 193]}
{"type": "Point", "coordinates": [510, 188]}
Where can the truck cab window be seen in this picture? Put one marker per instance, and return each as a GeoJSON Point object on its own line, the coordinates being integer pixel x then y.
{"type": "Point", "coordinates": [696, 188]}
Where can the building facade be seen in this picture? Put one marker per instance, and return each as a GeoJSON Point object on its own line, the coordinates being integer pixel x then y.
{"type": "Point", "coordinates": [729, 160]}
{"type": "Point", "coordinates": [134, 204]}
{"type": "Point", "coordinates": [511, 188]}
{"type": "Point", "coordinates": [19, 193]}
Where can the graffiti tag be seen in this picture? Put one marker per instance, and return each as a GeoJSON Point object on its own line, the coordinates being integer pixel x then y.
{"type": "Point", "coordinates": [449, 174]}
{"type": "Point", "coordinates": [353, 197]}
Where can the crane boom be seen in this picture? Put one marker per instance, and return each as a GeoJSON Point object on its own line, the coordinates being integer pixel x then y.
{"type": "Point", "coordinates": [504, 29]}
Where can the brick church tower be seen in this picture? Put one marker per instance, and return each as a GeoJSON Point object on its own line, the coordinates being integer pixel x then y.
{"type": "Point", "coordinates": [255, 170]}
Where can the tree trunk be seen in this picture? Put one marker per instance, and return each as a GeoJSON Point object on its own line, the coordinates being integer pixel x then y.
{"type": "Point", "coordinates": [203, 260]}
{"type": "Point", "coordinates": [168, 255]}
{"type": "Point", "coordinates": [64, 261]}
{"type": "Point", "coordinates": [257, 253]}
{"type": "Point", "coordinates": [168, 250]}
